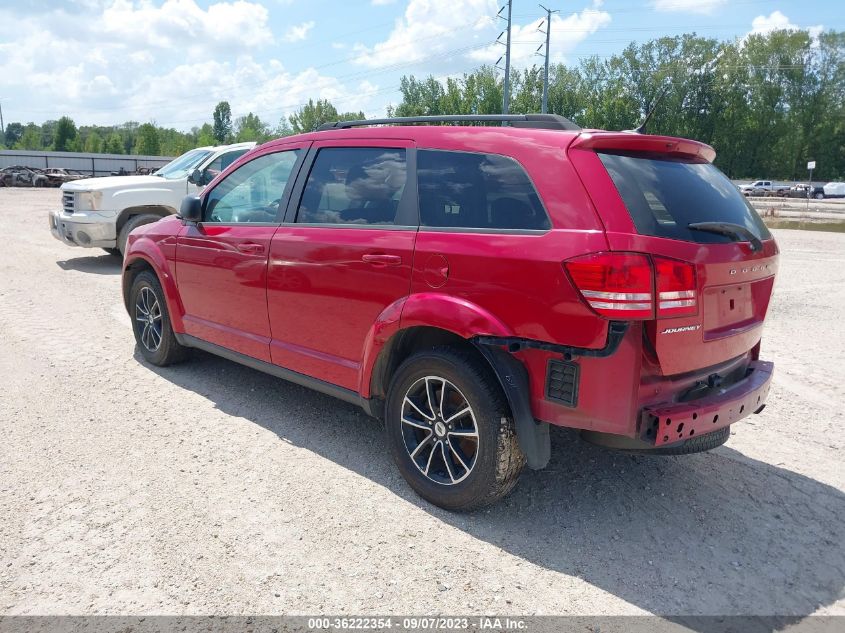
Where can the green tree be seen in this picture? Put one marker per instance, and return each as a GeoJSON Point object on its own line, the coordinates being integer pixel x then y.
{"type": "Point", "coordinates": [14, 131]}
{"type": "Point", "coordinates": [251, 128]}
{"type": "Point", "coordinates": [64, 136]}
{"type": "Point", "coordinates": [113, 144]}
{"type": "Point", "coordinates": [206, 136]}
{"type": "Point", "coordinates": [312, 115]}
{"type": "Point", "coordinates": [147, 143]}
{"type": "Point", "coordinates": [94, 143]}
{"type": "Point", "coordinates": [30, 139]}
{"type": "Point", "coordinates": [222, 122]}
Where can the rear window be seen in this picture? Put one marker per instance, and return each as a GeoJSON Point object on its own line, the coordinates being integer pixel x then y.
{"type": "Point", "coordinates": [477, 191]}
{"type": "Point", "coordinates": [665, 195]}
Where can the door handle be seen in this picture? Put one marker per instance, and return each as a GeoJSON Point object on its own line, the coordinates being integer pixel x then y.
{"type": "Point", "coordinates": [380, 259]}
{"type": "Point", "coordinates": [250, 247]}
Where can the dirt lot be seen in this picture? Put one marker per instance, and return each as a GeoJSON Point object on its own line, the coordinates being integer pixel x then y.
{"type": "Point", "coordinates": [212, 488]}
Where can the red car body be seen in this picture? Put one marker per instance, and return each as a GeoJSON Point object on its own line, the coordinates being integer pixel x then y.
{"type": "Point", "coordinates": [328, 306]}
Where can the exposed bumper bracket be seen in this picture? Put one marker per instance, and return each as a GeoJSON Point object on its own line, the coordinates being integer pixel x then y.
{"type": "Point", "coordinates": [615, 333]}
{"type": "Point", "coordinates": [667, 424]}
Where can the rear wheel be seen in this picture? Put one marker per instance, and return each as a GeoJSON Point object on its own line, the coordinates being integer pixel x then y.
{"type": "Point", "coordinates": [697, 444]}
{"type": "Point", "coordinates": [151, 322]}
{"type": "Point", "coordinates": [450, 431]}
{"type": "Point", "coordinates": [133, 223]}
{"type": "Point", "coordinates": [819, 196]}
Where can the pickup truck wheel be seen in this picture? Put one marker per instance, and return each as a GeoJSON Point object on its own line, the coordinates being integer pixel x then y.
{"type": "Point", "coordinates": [151, 322]}
{"type": "Point", "coordinates": [450, 430]}
{"type": "Point", "coordinates": [133, 223]}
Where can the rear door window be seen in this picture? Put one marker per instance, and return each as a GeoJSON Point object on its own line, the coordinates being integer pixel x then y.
{"type": "Point", "coordinates": [664, 196]}
{"type": "Point", "coordinates": [477, 191]}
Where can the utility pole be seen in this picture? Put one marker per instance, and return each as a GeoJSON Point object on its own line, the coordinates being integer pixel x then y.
{"type": "Point", "coordinates": [507, 56]}
{"type": "Point", "coordinates": [2, 127]}
{"type": "Point", "coordinates": [548, 33]}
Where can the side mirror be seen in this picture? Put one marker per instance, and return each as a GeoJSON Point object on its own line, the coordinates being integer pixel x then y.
{"type": "Point", "coordinates": [197, 178]}
{"type": "Point", "coordinates": [191, 209]}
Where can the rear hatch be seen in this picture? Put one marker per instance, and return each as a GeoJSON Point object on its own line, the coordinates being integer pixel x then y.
{"type": "Point", "coordinates": [712, 259]}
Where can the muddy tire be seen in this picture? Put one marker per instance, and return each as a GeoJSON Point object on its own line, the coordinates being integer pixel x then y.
{"type": "Point", "coordinates": [450, 430]}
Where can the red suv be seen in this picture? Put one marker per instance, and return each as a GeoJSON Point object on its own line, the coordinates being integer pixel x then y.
{"type": "Point", "coordinates": [471, 285]}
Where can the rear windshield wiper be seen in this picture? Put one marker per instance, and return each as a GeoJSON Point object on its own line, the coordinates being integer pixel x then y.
{"type": "Point", "coordinates": [738, 232]}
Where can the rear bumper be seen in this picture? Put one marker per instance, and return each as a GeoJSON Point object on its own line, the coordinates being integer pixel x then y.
{"type": "Point", "coordinates": [672, 423]}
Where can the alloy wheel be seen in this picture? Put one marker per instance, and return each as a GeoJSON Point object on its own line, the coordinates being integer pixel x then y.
{"type": "Point", "coordinates": [149, 317]}
{"type": "Point", "coordinates": [439, 430]}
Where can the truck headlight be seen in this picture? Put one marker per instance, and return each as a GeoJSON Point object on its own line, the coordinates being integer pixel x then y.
{"type": "Point", "coordinates": [89, 200]}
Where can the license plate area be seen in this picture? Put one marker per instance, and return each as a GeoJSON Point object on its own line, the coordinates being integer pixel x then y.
{"type": "Point", "coordinates": [728, 309]}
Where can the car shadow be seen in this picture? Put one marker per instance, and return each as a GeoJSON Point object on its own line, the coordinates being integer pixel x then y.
{"type": "Point", "coordinates": [710, 534]}
{"type": "Point", "coordinates": [104, 264]}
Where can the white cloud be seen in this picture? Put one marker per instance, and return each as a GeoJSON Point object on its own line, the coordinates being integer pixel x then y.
{"type": "Point", "coordinates": [567, 32]}
{"type": "Point", "coordinates": [299, 32]}
{"type": "Point", "coordinates": [453, 35]}
{"type": "Point", "coordinates": [688, 6]}
{"type": "Point", "coordinates": [777, 21]}
{"type": "Point", "coordinates": [177, 22]}
{"type": "Point", "coordinates": [117, 60]}
{"type": "Point", "coordinates": [432, 27]}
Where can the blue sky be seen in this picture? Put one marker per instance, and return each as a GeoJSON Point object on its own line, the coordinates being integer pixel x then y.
{"type": "Point", "coordinates": [171, 61]}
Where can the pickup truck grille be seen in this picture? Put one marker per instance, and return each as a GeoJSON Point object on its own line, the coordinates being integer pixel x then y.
{"type": "Point", "coordinates": [68, 201]}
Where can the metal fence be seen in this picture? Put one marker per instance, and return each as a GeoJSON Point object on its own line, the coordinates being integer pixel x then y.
{"type": "Point", "coordinates": [93, 164]}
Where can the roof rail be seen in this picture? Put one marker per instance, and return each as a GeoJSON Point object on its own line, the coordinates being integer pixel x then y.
{"type": "Point", "coordinates": [543, 121]}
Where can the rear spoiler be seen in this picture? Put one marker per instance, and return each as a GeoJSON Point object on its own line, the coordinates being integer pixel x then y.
{"type": "Point", "coordinates": [632, 142]}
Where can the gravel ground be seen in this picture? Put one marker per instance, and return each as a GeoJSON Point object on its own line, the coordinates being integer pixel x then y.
{"type": "Point", "coordinates": [212, 488]}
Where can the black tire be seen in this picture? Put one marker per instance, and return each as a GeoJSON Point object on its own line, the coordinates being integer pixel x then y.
{"type": "Point", "coordinates": [496, 460]}
{"type": "Point", "coordinates": [167, 350]}
{"type": "Point", "coordinates": [819, 196]}
{"type": "Point", "coordinates": [114, 251]}
{"type": "Point", "coordinates": [133, 223]}
{"type": "Point", "coordinates": [697, 444]}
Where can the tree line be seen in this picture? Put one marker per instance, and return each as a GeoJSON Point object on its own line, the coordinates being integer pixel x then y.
{"type": "Point", "coordinates": [768, 103]}
{"type": "Point", "coordinates": [151, 140]}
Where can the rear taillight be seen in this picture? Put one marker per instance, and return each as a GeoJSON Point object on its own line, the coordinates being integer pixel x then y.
{"type": "Point", "coordinates": [616, 285]}
{"type": "Point", "coordinates": [622, 285]}
{"type": "Point", "coordinates": [676, 288]}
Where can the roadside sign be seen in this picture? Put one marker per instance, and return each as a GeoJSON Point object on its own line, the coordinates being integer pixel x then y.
{"type": "Point", "coordinates": [811, 164]}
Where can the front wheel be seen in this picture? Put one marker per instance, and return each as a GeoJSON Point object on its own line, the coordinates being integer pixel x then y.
{"type": "Point", "coordinates": [151, 322]}
{"type": "Point", "coordinates": [450, 430]}
{"type": "Point", "coordinates": [819, 196]}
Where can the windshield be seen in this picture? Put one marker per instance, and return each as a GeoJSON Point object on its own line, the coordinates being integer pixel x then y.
{"type": "Point", "coordinates": [664, 196]}
{"type": "Point", "coordinates": [184, 165]}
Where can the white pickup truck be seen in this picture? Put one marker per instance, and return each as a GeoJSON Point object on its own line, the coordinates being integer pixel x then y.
{"type": "Point", "coordinates": [101, 212]}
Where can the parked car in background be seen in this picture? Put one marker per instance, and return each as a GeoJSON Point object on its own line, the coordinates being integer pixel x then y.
{"type": "Point", "coordinates": [57, 176]}
{"type": "Point", "coordinates": [834, 190]}
{"type": "Point", "coordinates": [803, 190]}
{"type": "Point", "coordinates": [472, 285]}
{"type": "Point", "coordinates": [21, 176]}
{"type": "Point", "coordinates": [763, 188]}
{"type": "Point", "coordinates": [101, 212]}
